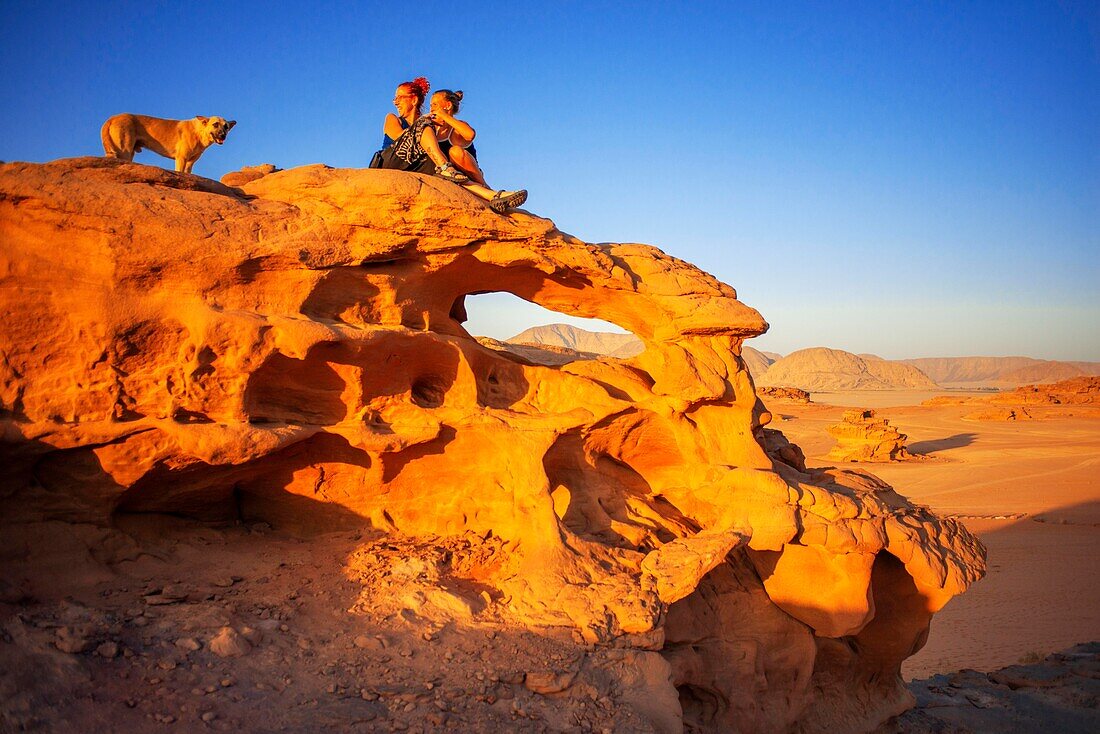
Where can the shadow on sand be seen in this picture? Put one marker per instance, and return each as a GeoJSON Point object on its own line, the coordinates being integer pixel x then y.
{"type": "Point", "coordinates": [957, 441]}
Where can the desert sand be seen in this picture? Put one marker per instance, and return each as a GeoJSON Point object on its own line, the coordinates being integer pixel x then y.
{"type": "Point", "coordinates": [1028, 489]}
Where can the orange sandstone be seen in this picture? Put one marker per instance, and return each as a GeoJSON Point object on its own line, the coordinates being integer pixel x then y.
{"type": "Point", "coordinates": [296, 355]}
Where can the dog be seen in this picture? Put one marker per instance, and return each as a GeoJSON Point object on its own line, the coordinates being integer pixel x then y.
{"type": "Point", "coordinates": [181, 140]}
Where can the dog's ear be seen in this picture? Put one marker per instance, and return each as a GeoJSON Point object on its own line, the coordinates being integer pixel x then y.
{"type": "Point", "coordinates": [202, 119]}
{"type": "Point", "coordinates": [231, 124]}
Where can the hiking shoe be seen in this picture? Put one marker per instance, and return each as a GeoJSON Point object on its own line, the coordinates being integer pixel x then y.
{"type": "Point", "coordinates": [452, 174]}
{"type": "Point", "coordinates": [505, 200]}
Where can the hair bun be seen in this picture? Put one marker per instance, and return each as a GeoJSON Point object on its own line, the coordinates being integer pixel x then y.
{"type": "Point", "coordinates": [421, 85]}
{"type": "Point", "coordinates": [458, 95]}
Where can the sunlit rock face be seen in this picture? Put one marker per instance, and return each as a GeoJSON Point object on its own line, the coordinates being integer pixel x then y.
{"type": "Point", "coordinates": [861, 436]}
{"type": "Point", "coordinates": [293, 351]}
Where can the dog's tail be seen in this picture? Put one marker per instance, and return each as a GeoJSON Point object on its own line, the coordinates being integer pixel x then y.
{"type": "Point", "coordinates": [110, 147]}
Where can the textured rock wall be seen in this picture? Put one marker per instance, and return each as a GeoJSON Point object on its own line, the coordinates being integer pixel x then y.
{"type": "Point", "coordinates": [293, 352]}
{"type": "Point", "coordinates": [860, 436]}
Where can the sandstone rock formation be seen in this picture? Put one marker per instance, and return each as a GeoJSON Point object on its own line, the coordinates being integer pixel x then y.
{"type": "Point", "coordinates": [821, 369]}
{"type": "Point", "coordinates": [1077, 391]}
{"type": "Point", "coordinates": [862, 437]}
{"type": "Point", "coordinates": [294, 358]}
{"type": "Point", "coordinates": [788, 394]}
{"type": "Point", "coordinates": [248, 174]}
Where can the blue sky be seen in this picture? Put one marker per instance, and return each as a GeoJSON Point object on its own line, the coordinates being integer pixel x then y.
{"type": "Point", "coordinates": [909, 179]}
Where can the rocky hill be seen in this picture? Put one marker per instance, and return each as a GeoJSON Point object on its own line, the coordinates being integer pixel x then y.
{"type": "Point", "coordinates": [820, 369]}
{"type": "Point", "coordinates": [580, 340]}
{"type": "Point", "coordinates": [1000, 372]}
{"type": "Point", "coordinates": [615, 345]}
{"type": "Point", "coordinates": [255, 475]}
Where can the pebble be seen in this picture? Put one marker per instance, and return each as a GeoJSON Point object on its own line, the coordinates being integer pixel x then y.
{"type": "Point", "coordinates": [188, 643]}
{"type": "Point", "coordinates": [208, 716]}
{"type": "Point", "coordinates": [227, 682]}
{"type": "Point", "coordinates": [71, 640]}
{"type": "Point", "coordinates": [164, 718]}
{"type": "Point", "coordinates": [107, 650]}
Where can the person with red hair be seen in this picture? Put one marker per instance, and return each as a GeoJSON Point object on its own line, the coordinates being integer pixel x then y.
{"type": "Point", "coordinates": [409, 143]}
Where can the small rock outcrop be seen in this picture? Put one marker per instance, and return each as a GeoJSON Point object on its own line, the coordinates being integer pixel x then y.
{"type": "Point", "coordinates": [861, 436]}
{"type": "Point", "coordinates": [1041, 401]}
{"type": "Point", "coordinates": [785, 394]}
{"type": "Point", "coordinates": [293, 358]}
{"type": "Point", "coordinates": [248, 174]}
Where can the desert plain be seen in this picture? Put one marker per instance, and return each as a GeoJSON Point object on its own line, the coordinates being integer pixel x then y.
{"type": "Point", "coordinates": [1028, 489]}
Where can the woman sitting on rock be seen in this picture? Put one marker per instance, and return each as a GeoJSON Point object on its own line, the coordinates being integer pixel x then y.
{"type": "Point", "coordinates": [456, 140]}
{"type": "Point", "coordinates": [409, 143]}
{"type": "Point", "coordinates": [408, 138]}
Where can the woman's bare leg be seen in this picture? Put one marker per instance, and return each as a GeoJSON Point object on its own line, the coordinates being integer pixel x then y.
{"type": "Point", "coordinates": [467, 164]}
{"type": "Point", "coordinates": [430, 144]}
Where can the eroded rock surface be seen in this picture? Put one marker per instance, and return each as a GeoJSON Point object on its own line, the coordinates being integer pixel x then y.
{"type": "Point", "coordinates": [293, 358]}
{"type": "Point", "coordinates": [860, 436]}
{"type": "Point", "coordinates": [785, 394]}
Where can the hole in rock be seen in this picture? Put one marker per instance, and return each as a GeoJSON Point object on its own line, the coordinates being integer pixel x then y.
{"type": "Point", "coordinates": [428, 392]}
{"type": "Point", "coordinates": [700, 705]}
{"type": "Point", "coordinates": [508, 318]}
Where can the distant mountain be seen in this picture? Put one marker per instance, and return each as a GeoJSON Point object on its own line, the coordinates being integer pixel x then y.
{"type": "Point", "coordinates": [758, 362]}
{"type": "Point", "coordinates": [820, 369]}
{"type": "Point", "coordinates": [623, 346]}
{"type": "Point", "coordinates": [999, 371]}
{"type": "Point", "coordinates": [580, 340]}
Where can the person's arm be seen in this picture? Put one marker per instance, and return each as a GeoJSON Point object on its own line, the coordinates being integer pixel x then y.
{"type": "Point", "coordinates": [392, 127]}
{"type": "Point", "coordinates": [462, 134]}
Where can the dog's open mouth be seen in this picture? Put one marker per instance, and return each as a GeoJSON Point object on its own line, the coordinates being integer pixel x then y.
{"type": "Point", "coordinates": [219, 138]}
